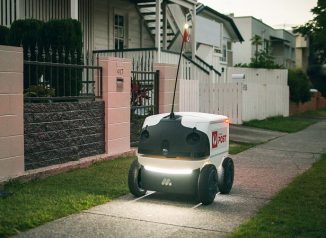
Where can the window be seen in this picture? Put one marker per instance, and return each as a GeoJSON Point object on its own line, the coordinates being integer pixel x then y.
{"type": "Point", "coordinates": [229, 45]}
{"type": "Point", "coordinates": [217, 50]}
{"type": "Point", "coordinates": [119, 32]}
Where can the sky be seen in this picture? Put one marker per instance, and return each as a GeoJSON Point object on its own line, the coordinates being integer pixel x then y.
{"type": "Point", "coordinates": [276, 13]}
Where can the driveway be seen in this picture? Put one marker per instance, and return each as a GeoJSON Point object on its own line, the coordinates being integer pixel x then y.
{"type": "Point", "coordinates": [260, 173]}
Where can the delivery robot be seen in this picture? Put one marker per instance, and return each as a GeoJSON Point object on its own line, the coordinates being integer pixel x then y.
{"type": "Point", "coordinates": [183, 153]}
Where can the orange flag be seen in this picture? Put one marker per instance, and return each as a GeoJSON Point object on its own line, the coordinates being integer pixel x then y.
{"type": "Point", "coordinates": [186, 35]}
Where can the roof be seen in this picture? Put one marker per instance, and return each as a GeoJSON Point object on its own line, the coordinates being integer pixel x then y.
{"type": "Point", "coordinates": [270, 27]}
{"type": "Point", "coordinates": [226, 19]}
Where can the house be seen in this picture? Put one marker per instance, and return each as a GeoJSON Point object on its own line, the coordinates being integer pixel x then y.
{"type": "Point", "coordinates": [279, 42]}
{"type": "Point", "coordinates": [302, 51]}
{"type": "Point", "coordinates": [113, 24]}
{"type": "Point", "coordinates": [216, 34]}
{"type": "Point", "coordinates": [142, 29]}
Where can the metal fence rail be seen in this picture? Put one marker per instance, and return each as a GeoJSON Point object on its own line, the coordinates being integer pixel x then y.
{"type": "Point", "coordinates": [142, 58]}
{"type": "Point", "coordinates": [59, 76]}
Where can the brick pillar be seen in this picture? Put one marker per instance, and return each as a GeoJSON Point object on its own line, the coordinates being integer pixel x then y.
{"type": "Point", "coordinates": [167, 81]}
{"type": "Point", "coordinates": [116, 95]}
{"type": "Point", "coordinates": [11, 112]}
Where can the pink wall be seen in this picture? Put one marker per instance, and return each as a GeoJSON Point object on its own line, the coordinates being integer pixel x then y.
{"type": "Point", "coordinates": [116, 95]}
{"type": "Point", "coordinates": [11, 112]}
{"type": "Point", "coordinates": [167, 81]}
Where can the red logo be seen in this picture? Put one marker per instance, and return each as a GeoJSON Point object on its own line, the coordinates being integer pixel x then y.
{"type": "Point", "coordinates": [214, 139]}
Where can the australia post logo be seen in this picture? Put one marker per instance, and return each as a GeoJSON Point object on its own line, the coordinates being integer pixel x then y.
{"type": "Point", "coordinates": [217, 139]}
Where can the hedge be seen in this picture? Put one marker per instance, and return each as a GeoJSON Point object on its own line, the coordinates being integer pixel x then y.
{"type": "Point", "coordinates": [61, 35]}
{"type": "Point", "coordinates": [4, 32]}
{"type": "Point", "coordinates": [299, 85]}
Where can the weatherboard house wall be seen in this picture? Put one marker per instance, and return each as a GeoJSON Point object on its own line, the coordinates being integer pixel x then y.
{"type": "Point", "coordinates": [136, 35]}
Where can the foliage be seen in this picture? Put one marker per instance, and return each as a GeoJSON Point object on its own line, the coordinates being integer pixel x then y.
{"type": "Point", "coordinates": [320, 113]}
{"type": "Point", "coordinates": [297, 211]}
{"type": "Point", "coordinates": [299, 86]}
{"type": "Point", "coordinates": [39, 91]}
{"type": "Point", "coordinates": [63, 34]}
{"type": "Point", "coordinates": [317, 75]}
{"type": "Point", "coordinates": [57, 34]}
{"type": "Point", "coordinates": [283, 124]}
{"type": "Point", "coordinates": [316, 30]}
{"type": "Point", "coordinates": [237, 147]}
{"type": "Point", "coordinates": [40, 201]}
{"type": "Point", "coordinates": [58, 41]}
{"type": "Point", "coordinates": [256, 41]}
{"type": "Point", "coordinates": [139, 93]}
{"type": "Point", "coordinates": [263, 59]}
{"type": "Point", "coordinates": [26, 33]}
{"type": "Point", "coordinates": [4, 32]}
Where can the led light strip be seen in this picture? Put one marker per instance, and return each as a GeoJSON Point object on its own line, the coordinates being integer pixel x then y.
{"type": "Point", "coordinates": [168, 171]}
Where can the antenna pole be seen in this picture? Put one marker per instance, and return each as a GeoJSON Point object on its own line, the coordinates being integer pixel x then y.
{"type": "Point", "coordinates": [176, 81]}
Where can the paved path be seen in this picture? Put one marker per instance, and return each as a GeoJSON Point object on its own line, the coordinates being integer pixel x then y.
{"type": "Point", "coordinates": [252, 135]}
{"type": "Point", "coordinates": [260, 173]}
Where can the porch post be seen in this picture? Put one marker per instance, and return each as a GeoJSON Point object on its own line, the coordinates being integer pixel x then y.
{"type": "Point", "coordinates": [165, 23]}
{"type": "Point", "coordinates": [194, 43]}
{"type": "Point", "coordinates": [158, 30]}
{"type": "Point", "coordinates": [74, 9]}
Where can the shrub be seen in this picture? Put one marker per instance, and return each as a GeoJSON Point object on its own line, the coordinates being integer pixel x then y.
{"type": "Point", "coordinates": [26, 33]}
{"type": "Point", "coordinates": [263, 60]}
{"type": "Point", "coordinates": [65, 34]}
{"type": "Point", "coordinates": [39, 91]}
{"type": "Point", "coordinates": [299, 85]}
{"type": "Point", "coordinates": [65, 39]}
{"type": "Point", "coordinates": [317, 75]}
{"type": "Point", "coordinates": [4, 32]}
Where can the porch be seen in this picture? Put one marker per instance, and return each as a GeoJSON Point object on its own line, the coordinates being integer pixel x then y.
{"type": "Point", "coordinates": [143, 59]}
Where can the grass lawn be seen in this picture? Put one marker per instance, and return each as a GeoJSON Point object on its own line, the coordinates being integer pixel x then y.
{"type": "Point", "coordinates": [297, 211]}
{"type": "Point", "coordinates": [39, 201]}
{"type": "Point", "coordinates": [283, 124]}
{"type": "Point", "coordinates": [236, 147]}
{"type": "Point", "coordinates": [43, 200]}
{"type": "Point", "coordinates": [315, 113]}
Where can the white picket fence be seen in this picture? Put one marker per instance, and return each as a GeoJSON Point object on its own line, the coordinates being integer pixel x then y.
{"type": "Point", "coordinates": [264, 93]}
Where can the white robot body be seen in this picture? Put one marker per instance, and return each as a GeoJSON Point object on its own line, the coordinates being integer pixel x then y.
{"type": "Point", "coordinates": [186, 153]}
{"type": "Point", "coordinates": [216, 127]}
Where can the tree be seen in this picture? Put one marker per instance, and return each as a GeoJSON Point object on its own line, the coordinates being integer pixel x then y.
{"type": "Point", "coordinates": [256, 41]}
{"type": "Point", "coordinates": [316, 30]}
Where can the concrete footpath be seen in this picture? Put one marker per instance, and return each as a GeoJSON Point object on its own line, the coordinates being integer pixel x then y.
{"type": "Point", "coordinates": [260, 173]}
{"type": "Point", "coordinates": [246, 134]}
